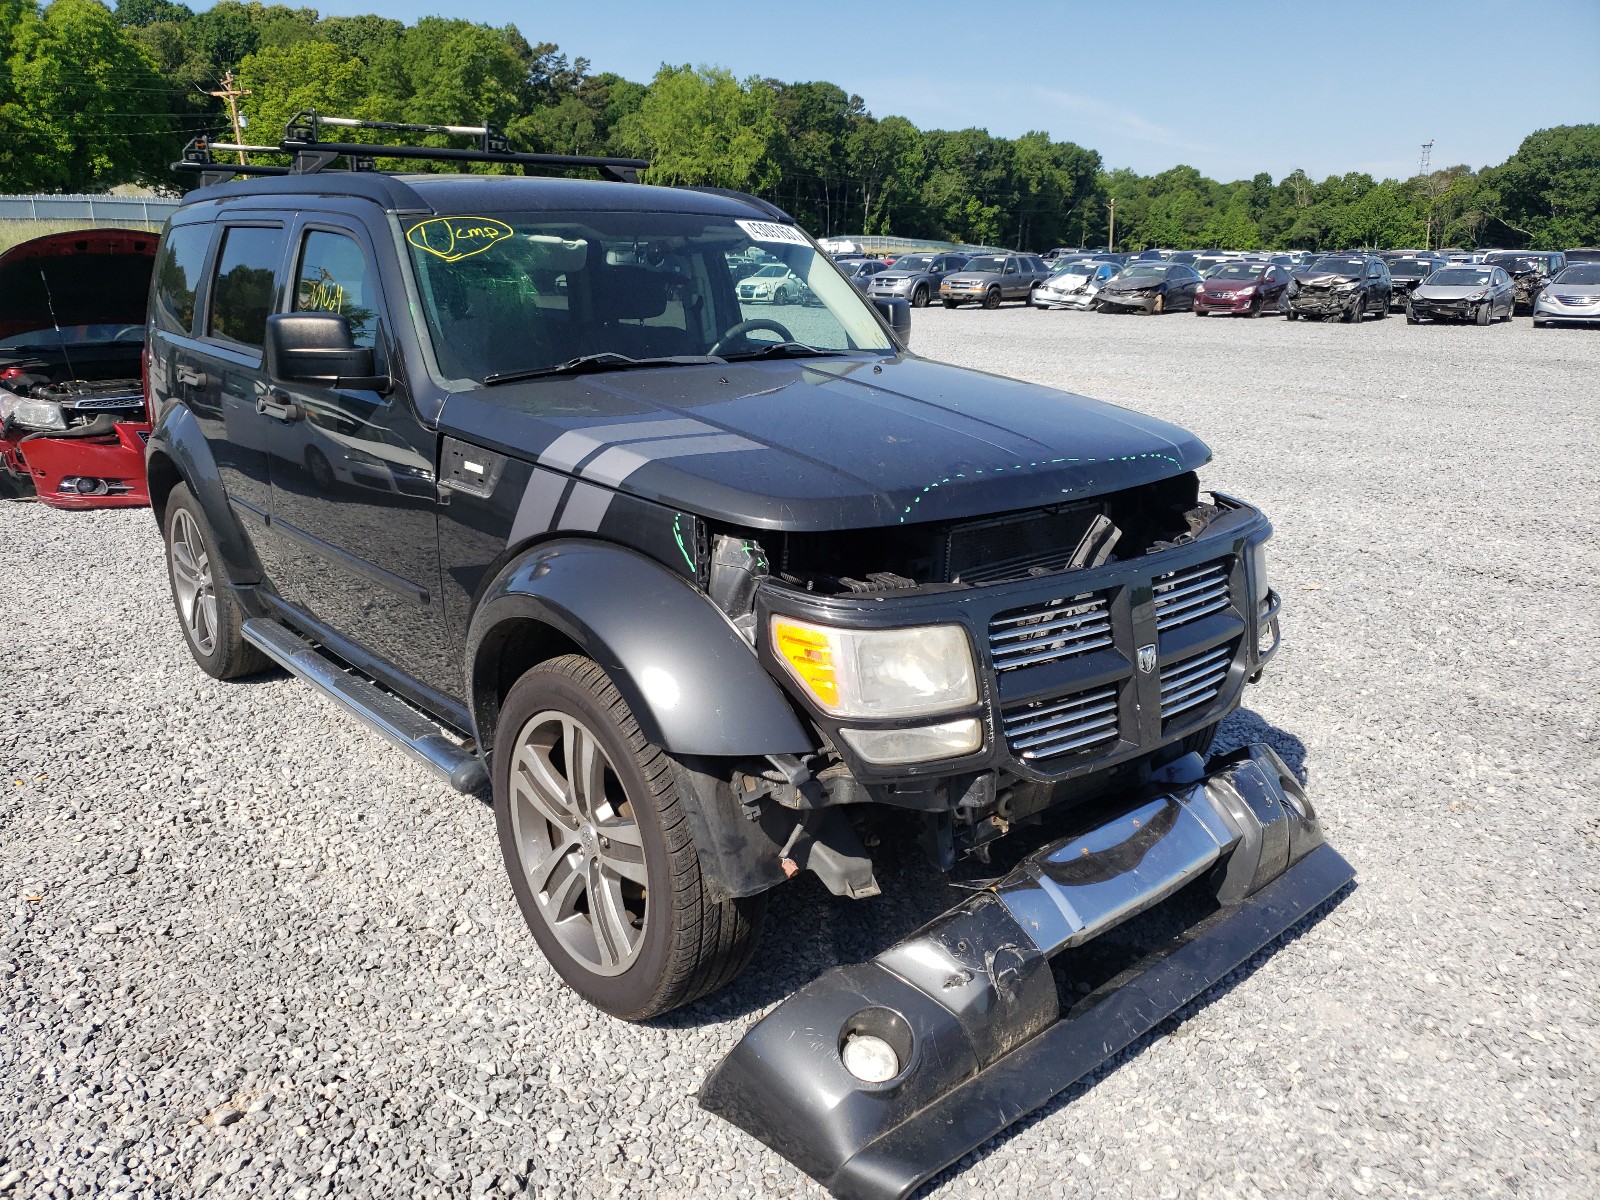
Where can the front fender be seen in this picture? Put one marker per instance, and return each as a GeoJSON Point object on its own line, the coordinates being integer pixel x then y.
{"type": "Point", "coordinates": [692, 682]}
{"type": "Point", "coordinates": [179, 452]}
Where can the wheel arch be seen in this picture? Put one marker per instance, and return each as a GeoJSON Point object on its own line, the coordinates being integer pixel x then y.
{"type": "Point", "coordinates": [179, 453]}
{"type": "Point", "coordinates": [694, 685]}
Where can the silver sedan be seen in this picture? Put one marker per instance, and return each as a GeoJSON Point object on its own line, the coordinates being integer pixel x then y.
{"type": "Point", "coordinates": [1573, 295]}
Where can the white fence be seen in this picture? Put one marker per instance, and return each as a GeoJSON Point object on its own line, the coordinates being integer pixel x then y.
{"type": "Point", "coordinates": [100, 210]}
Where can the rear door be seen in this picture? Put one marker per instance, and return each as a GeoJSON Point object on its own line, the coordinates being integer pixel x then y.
{"type": "Point", "coordinates": [220, 373]}
{"type": "Point", "coordinates": [354, 499]}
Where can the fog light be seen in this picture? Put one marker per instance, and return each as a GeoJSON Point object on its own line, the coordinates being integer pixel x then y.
{"type": "Point", "coordinates": [889, 746]}
{"type": "Point", "coordinates": [870, 1059]}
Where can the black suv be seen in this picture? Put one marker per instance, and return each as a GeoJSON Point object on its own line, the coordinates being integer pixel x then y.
{"type": "Point", "coordinates": [1345, 287]}
{"type": "Point", "coordinates": [699, 588]}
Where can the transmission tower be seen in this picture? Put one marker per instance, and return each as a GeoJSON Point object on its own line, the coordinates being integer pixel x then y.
{"type": "Point", "coordinates": [1423, 170]}
{"type": "Point", "coordinates": [1427, 158]}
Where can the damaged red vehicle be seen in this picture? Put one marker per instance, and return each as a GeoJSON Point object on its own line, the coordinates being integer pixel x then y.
{"type": "Point", "coordinates": [73, 421]}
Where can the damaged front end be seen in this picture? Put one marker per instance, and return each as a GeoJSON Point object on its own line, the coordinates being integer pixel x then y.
{"type": "Point", "coordinates": [877, 1074]}
{"type": "Point", "coordinates": [1324, 297]}
{"type": "Point", "coordinates": [78, 444]}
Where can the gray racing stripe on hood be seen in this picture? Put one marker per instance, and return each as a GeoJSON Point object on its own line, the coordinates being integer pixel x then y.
{"type": "Point", "coordinates": [572, 447]}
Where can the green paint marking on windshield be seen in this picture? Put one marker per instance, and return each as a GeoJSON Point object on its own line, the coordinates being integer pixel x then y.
{"type": "Point", "coordinates": [677, 536]}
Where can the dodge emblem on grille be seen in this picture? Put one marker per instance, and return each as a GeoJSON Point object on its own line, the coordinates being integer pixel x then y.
{"type": "Point", "coordinates": [1147, 658]}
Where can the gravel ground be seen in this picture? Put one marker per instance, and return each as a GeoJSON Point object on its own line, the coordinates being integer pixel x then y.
{"type": "Point", "coordinates": [246, 950]}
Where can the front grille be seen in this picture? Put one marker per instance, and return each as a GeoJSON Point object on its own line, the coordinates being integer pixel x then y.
{"type": "Point", "coordinates": [1063, 726]}
{"type": "Point", "coordinates": [1041, 633]}
{"type": "Point", "coordinates": [1189, 594]}
{"type": "Point", "coordinates": [1193, 681]}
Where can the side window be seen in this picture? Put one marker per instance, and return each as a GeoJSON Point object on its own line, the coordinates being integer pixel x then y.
{"type": "Point", "coordinates": [1011, 266]}
{"type": "Point", "coordinates": [183, 257]}
{"type": "Point", "coordinates": [245, 286]}
{"type": "Point", "coordinates": [333, 277]}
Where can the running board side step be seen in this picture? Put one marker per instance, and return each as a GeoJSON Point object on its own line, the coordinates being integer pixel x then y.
{"type": "Point", "coordinates": [389, 715]}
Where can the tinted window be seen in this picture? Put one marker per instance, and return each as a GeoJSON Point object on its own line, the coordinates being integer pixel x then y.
{"type": "Point", "coordinates": [243, 291]}
{"type": "Point", "coordinates": [333, 278]}
{"type": "Point", "coordinates": [1011, 266]}
{"type": "Point", "coordinates": [183, 256]}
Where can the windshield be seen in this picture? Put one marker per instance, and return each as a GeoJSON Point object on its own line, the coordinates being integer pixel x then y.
{"type": "Point", "coordinates": [1409, 268]}
{"type": "Point", "coordinates": [991, 263]}
{"type": "Point", "coordinates": [1341, 265]}
{"type": "Point", "coordinates": [520, 292]}
{"type": "Point", "coordinates": [1460, 277]}
{"type": "Point", "coordinates": [775, 271]}
{"type": "Point", "coordinates": [1145, 270]}
{"type": "Point", "coordinates": [1516, 262]}
{"type": "Point", "coordinates": [1582, 273]}
{"type": "Point", "coordinates": [75, 335]}
{"type": "Point", "coordinates": [912, 262]}
{"type": "Point", "coordinates": [1236, 271]}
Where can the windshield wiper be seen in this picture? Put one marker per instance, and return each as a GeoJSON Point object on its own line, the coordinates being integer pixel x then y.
{"type": "Point", "coordinates": [606, 360]}
{"type": "Point", "coordinates": [785, 350]}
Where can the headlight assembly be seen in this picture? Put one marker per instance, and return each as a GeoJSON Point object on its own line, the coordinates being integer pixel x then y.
{"type": "Point", "coordinates": [26, 413]}
{"type": "Point", "coordinates": [878, 673]}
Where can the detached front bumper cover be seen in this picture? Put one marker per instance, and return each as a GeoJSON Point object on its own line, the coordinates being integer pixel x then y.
{"type": "Point", "coordinates": [969, 1003]}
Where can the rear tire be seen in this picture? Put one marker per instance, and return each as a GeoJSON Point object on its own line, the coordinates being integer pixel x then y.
{"type": "Point", "coordinates": [645, 935]}
{"type": "Point", "coordinates": [202, 592]}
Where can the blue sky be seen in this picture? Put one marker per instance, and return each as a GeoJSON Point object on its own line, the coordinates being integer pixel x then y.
{"type": "Point", "coordinates": [1229, 87]}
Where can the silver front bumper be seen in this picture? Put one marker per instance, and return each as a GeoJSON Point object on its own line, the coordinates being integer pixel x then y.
{"type": "Point", "coordinates": [971, 1004]}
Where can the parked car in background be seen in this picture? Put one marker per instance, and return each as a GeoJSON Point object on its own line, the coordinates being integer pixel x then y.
{"type": "Point", "coordinates": [1573, 295]}
{"type": "Point", "coordinates": [1344, 286]}
{"type": "Point", "coordinates": [1530, 270]}
{"type": "Point", "coordinates": [1406, 273]}
{"type": "Point", "coordinates": [1151, 286]}
{"type": "Point", "coordinates": [1582, 254]}
{"type": "Point", "coordinates": [860, 271]}
{"type": "Point", "coordinates": [990, 279]}
{"type": "Point", "coordinates": [1479, 292]}
{"type": "Point", "coordinates": [1075, 285]}
{"type": "Point", "coordinates": [1245, 288]}
{"type": "Point", "coordinates": [1058, 252]}
{"type": "Point", "coordinates": [775, 283]}
{"type": "Point", "coordinates": [72, 411]}
{"type": "Point", "coordinates": [915, 277]}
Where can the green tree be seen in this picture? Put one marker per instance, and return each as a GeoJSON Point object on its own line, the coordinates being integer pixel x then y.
{"type": "Point", "coordinates": [702, 126]}
{"type": "Point", "coordinates": [1549, 190]}
{"type": "Point", "coordinates": [284, 80]}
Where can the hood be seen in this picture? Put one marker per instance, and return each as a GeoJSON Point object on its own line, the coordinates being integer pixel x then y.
{"type": "Point", "coordinates": [1122, 283]}
{"type": "Point", "coordinates": [825, 444]}
{"type": "Point", "coordinates": [96, 277]}
{"type": "Point", "coordinates": [1316, 278]}
{"type": "Point", "coordinates": [1067, 279]}
{"type": "Point", "coordinates": [972, 276]}
{"type": "Point", "coordinates": [1222, 287]}
{"type": "Point", "coordinates": [892, 276]}
{"type": "Point", "coordinates": [1448, 291]}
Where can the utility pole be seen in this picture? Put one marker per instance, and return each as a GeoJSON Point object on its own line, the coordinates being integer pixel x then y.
{"type": "Point", "coordinates": [231, 94]}
{"type": "Point", "coordinates": [1111, 236]}
{"type": "Point", "coordinates": [1423, 169]}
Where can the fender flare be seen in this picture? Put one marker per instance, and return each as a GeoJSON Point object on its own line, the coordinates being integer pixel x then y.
{"type": "Point", "coordinates": [694, 685]}
{"type": "Point", "coordinates": [179, 453]}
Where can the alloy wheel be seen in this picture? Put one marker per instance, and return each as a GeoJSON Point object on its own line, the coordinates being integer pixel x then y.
{"type": "Point", "coordinates": [192, 582]}
{"type": "Point", "coordinates": [578, 843]}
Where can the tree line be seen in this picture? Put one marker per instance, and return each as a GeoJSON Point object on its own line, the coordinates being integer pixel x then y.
{"type": "Point", "coordinates": [91, 97]}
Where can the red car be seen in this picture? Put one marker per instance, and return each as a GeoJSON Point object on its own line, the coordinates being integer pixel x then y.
{"type": "Point", "coordinates": [73, 421]}
{"type": "Point", "coordinates": [1243, 288]}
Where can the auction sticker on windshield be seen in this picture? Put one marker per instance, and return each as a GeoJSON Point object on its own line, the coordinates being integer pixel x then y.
{"type": "Point", "coordinates": [455, 238]}
{"type": "Point", "coordinates": [772, 231]}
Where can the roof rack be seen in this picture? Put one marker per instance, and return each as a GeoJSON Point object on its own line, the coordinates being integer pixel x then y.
{"type": "Point", "coordinates": [302, 138]}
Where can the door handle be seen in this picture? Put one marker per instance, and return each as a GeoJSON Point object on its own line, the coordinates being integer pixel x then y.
{"type": "Point", "coordinates": [189, 377]}
{"type": "Point", "coordinates": [276, 404]}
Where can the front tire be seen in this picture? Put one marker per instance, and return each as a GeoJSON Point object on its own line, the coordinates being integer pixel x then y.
{"type": "Point", "coordinates": [919, 298]}
{"type": "Point", "coordinates": [596, 842]}
{"type": "Point", "coordinates": [1160, 305]}
{"type": "Point", "coordinates": [949, 303]}
{"type": "Point", "coordinates": [991, 298]}
{"type": "Point", "coordinates": [203, 594]}
{"type": "Point", "coordinates": [1484, 314]}
{"type": "Point", "coordinates": [1291, 314]}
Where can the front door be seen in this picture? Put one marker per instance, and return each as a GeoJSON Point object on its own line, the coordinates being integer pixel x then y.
{"type": "Point", "coordinates": [353, 486]}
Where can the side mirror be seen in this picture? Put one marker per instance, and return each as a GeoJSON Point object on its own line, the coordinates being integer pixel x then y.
{"type": "Point", "coordinates": [318, 350]}
{"type": "Point", "coordinates": [896, 311]}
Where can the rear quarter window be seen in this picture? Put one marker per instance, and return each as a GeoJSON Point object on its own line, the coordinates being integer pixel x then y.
{"type": "Point", "coordinates": [177, 277]}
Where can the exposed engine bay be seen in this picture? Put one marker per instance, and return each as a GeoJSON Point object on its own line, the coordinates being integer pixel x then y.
{"type": "Point", "coordinates": [77, 443]}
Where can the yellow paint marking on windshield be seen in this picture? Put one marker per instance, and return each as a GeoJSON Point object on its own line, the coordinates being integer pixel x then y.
{"type": "Point", "coordinates": [455, 238]}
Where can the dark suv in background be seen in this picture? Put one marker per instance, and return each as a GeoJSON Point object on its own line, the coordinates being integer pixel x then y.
{"type": "Point", "coordinates": [1344, 287]}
